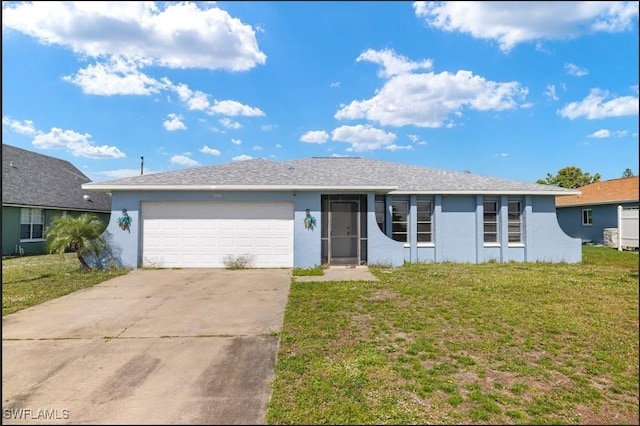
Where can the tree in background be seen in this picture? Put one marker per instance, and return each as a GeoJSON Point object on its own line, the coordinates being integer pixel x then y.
{"type": "Point", "coordinates": [82, 234]}
{"type": "Point", "coordinates": [570, 177]}
{"type": "Point", "coordinates": [627, 173]}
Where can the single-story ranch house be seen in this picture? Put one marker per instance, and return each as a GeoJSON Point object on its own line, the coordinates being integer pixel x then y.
{"type": "Point", "coordinates": [35, 189]}
{"type": "Point", "coordinates": [335, 211]}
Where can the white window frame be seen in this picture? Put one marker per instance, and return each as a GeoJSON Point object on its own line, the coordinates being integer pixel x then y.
{"type": "Point", "coordinates": [494, 220]}
{"type": "Point", "coordinates": [395, 233]}
{"type": "Point", "coordinates": [428, 221]}
{"type": "Point", "coordinates": [512, 221]}
{"type": "Point", "coordinates": [587, 217]}
{"type": "Point", "coordinates": [31, 217]}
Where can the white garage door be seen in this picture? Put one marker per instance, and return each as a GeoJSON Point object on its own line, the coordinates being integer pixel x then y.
{"type": "Point", "coordinates": [205, 234]}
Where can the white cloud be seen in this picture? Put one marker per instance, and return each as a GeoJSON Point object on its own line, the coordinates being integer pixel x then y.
{"type": "Point", "coordinates": [184, 160]}
{"type": "Point", "coordinates": [502, 155]}
{"type": "Point", "coordinates": [429, 99]}
{"type": "Point", "coordinates": [197, 100]}
{"type": "Point", "coordinates": [573, 69]}
{"type": "Point", "coordinates": [194, 100]}
{"type": "Point", "coordinates": [179, 35]}
{"type": "Point", "coordinates": [24, 127]}
{"type": "Point", "coordinates": [256, 148]}
{"type": "Point", "coordinates": [604, 133]}
{"type": "Point", "coordinates": [230, 124]}
{"type": "Point", "coordinates": [315, 136]}
{"type": "Point", "coordinates": [278, 145]}
{"type": "Point", "coordinates": [550, 92]}
{"type": "Point", "coordinates": [510, 23]}
{"type": "Point", "coordinates": [335, 84]}
{"type": "Point", "coordinates": [392, 63]}
{"type": "Point", "coordinates": [242, 157]}
{"type": "Point", "coordinates": [363, 137]}
{"type": "Point", "coordinates": [601, 134]}
{"type": "Point", "coordinates": [80, 145]}
{"type": "Point", "coordinates": [594, 106]}
{"type": "Point", "coordinates": [234, 108]}
{"type": "Point", "coordinates": [117, 76]}
{"type": "Point", "coordinates": [212, 151]}
{"type": "Point", "coordinates": [416, 139]}
{"type": "Point", "coordinates": [267, 127]}
{"type": "Point", "coordinates": [236, 141]}
{"type": "Point", "coordinates": [173, 123]}
{"type": "Point", "coordinates": [394, 147]}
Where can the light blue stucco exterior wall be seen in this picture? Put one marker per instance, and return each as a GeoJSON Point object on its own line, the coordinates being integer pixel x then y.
{"type": "Point", "coordinates": [307, 243]}
{"type": "Point", "coordinates": [458, 226]}
{"type": "Point", "coordinates": [604, 216]}
{"type": "Point", "coordinates": [545, 241]}
{"type": "Point", "coordinates": [457, 229]}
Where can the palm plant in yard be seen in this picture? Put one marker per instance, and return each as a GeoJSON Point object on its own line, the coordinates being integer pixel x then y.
{"type": "Point", "coordinates": [82, 234]}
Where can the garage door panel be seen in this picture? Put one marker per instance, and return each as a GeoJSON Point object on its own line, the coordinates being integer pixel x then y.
{"type": "Point", "coordinates": [205, 234]}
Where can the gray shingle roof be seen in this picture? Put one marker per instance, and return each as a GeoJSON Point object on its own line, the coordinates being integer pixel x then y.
{"type": "Point", "coordinates": [32, 179]}
{"type": "Point", "coordinates": [338, 173]}
{"type": "Point", "coordinates": [251, 173]}
{"type": "Point", "coordinates": [415, 179]}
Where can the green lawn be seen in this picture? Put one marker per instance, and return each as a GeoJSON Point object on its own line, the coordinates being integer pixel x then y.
{"type": "Point", "coordinates": [31, 280]}
{"type": "Point", "coordinates": [449, 343]}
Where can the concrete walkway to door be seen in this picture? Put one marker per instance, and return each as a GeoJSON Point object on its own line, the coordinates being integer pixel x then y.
{"type": "Point", "coordinates": [341, 273]}
{"type": "Point", "coordinates": [184, 346]}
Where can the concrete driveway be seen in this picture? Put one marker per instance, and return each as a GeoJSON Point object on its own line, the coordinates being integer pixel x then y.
{"type": "Point", "coordinates": [185, 346]}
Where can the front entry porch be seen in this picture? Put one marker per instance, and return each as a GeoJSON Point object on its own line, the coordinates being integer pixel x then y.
{"type": "Point", "coordinates": [344, 229]}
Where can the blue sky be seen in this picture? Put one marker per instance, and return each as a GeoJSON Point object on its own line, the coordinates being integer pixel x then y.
{"type": "Point", "coordinates": [506, 89]}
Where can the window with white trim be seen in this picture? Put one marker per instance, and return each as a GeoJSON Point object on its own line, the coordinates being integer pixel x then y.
{"type": "Point", "coordinates": [587, 217]}
{"type": "Point", "coordinates": [400, 213]}
{"type": "Point", "coordinates": [425, 221]}
{"type": "Point", "coordinates": [31, 224]}
{"type": "Point", "coordinates": [515, 221]}
{"type": "Point", "coordinates": [490, 221]}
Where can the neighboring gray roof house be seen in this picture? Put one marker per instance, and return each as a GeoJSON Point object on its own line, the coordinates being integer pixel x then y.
{"type": "Point", "coordinates": [37, 180]}
{"type": "Point", "coordinates": [45, 186]}
{"type": "Point", "coordinates": [336, 211]}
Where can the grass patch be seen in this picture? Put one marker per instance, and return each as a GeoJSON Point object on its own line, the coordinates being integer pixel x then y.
{"type": "Point", "coordinates": [445, 343]}
{"type": "Point", "coordinates": [308, 272]}
{"type": "Point", "coordinates": [31, 280]}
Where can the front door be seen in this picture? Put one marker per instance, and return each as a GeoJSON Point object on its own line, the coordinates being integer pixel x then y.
{"type": "Point", "coordinates": [343, 233]}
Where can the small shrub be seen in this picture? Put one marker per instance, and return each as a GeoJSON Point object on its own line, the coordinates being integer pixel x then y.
{"type": "Point", "coordinates": [242, 261]}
